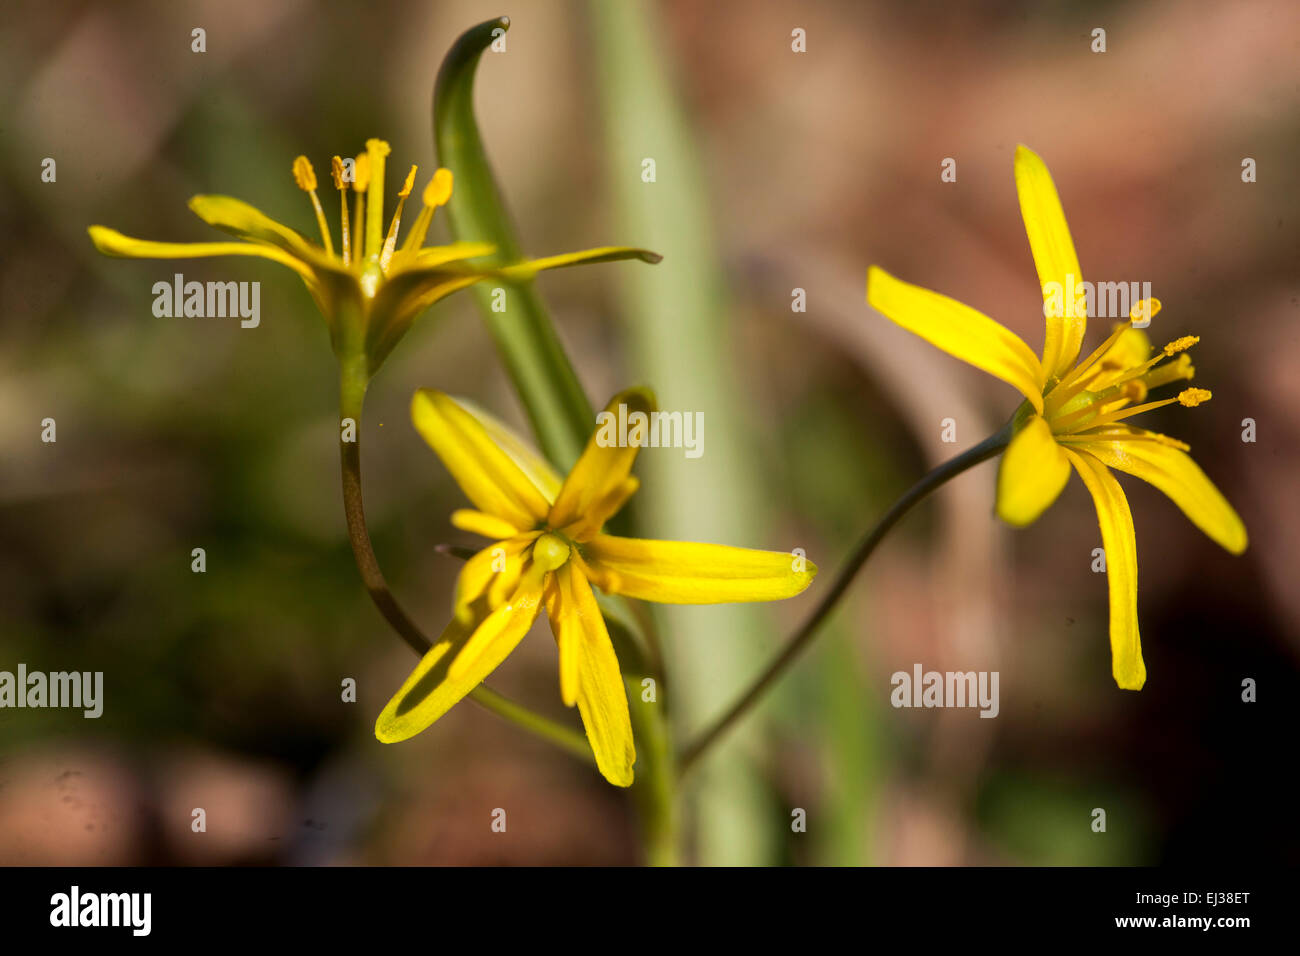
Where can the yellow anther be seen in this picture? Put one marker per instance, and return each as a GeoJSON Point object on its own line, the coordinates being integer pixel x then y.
{"type": "Point", "coordinates": [1181, 344]}
{"type": "Point", "coordinates": [439, 189]}
{"type": "Point", "coordinates": [361, 173]}
{"type": "Point", "coordinates": [1191, 397]}
{"type": "Point", "coordinates": [1144, 310]}
{"type": "Point", "coordinates": [410, 181]}
{"type": "Point", "coordinates": [550, 552]}
{"type": "Point", "coordinates": [336, 170]}
{"type": "Point", "coordinates": [303, 174]}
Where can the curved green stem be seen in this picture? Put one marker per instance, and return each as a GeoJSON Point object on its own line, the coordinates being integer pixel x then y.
{"type": "Point", "coordinates": [950, 469]}
{"type": "Point", "coordinates": [352, 400]}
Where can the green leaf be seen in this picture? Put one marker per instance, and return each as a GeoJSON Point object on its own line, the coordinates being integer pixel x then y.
{"type": "Point", "coordinates": [558, 409]}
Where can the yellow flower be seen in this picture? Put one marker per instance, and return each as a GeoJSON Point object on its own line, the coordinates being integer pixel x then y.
{"type": "Point", "coordinates": [371, 290]}
{"type": "Point", "coordinates": [549, 550]}
{"type": "Point", "coordinates": [1074, 414]}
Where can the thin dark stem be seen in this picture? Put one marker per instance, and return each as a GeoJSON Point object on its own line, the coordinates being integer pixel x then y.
{"type": "Point", "coordinates": [985, 450]}
{"type": "Point", "coordinates": [371, 576]}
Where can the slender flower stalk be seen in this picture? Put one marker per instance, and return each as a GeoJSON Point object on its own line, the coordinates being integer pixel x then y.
{"type": "Point", "coordinates": [993, 445]}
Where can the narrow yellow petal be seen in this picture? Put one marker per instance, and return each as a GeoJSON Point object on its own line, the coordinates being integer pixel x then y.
{"type": "Point", "coordinates": [562, 609]}
{"type": "Point", "coordinates": [1175, 473]}
{"type": "Point", "coordinates": [476, 522]}
{"type": "Point", "coordinates": [1054, 257]}
{"type": "Point", "coordinates": [1031, 475]}
{"type": "Point", "coordinates": [592, 666]}
{"type": "Point", "coordinates": [430, 691]}
{"type": "Point", "coordinates": [500, 631]}
{"type": "Point", "coordinates": [523, 454]}
{"type": "Point", "coordinates": [958, 330]}
{"type": "Point", "coordinates": [530, 267]}
{"type": "Point", "coordinates": [487, 475]}
{"type": "Point", "coordinates": [1118, 539]}
{"type": "Point", "coordinates": [492, 574]}
{"type": "Point", "coordinates": [681, 572]}
{"type": "Point", "coordinates": [113, 243]}
{"type": "Point", "coordinates": [248, 222]}
{"type": "Point", "coordinates": [600, 474]}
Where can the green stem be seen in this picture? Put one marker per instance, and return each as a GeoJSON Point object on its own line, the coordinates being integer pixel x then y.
{"type": "Point", "coordinates": [950, 469]}
{"type": "Point", "coordinates": [352, 400]}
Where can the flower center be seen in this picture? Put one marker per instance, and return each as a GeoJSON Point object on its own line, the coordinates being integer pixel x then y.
{"type": "Point", "coordinates": [365, 245]}
{"type": "Point", "coordinates": [1101, 389]}
{"type": "Point", "coordinates": [550, 551]}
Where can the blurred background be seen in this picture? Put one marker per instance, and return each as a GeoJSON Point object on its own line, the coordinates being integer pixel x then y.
{"type": "Point", "coordinates": [775, 170]}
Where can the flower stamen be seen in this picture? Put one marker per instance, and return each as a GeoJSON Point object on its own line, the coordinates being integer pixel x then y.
{"type": "Point", "coordinates": [305, 177]}
{"type": "Point", "coordinates": [390, 241]}
{"type": "Point", "coordinates": [336, 170]}
{"type": "Point", "coordinates": [377, 150]}
{"type": "Point", "coordinates": [436, 194]}
{"type": "Point", "coordinates": [360, 183]}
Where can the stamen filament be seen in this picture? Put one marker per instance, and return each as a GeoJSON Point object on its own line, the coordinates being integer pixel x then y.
{"type": "Point", "coordinates": [390, 241]}
{"type": "Point", "coordinates": [1086, 366]}
{"type": "Point", "coordinates": [1129, 412]}
{"type": "Point", "coordinates": [336, 170]}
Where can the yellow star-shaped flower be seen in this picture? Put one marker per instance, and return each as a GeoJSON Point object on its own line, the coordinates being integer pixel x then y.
{"type": "Point", "coordinates": [371, 290]}
{"type": "Point", "coordinates": [1074, 414]}
{"type": "Point", "coordinates": [549, 550]}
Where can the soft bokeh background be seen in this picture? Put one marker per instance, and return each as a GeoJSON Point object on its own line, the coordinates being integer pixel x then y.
{"type": "Point", "coordinates": [776, 170]}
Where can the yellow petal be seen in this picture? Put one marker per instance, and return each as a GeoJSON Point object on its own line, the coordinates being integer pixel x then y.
{"type": "Point", "coordinates": [113, 243]}
{"type": "Point", "coordinates": [476, 522]}
{"type": "Point", "coordinates": [1054, 257]}
{"type": "Point", "coordinates": [499, 633]}
{"type": "Point", "coordinates": [682, 572]}
{"type": "Point", "coordinates": [487, 475]}
{"type": "Point", "coordinates": [529, 460]}
{"type": "Point", "coordinates": [1118, 539]}
{"type": "Point", "coordinates": [248, 222]}
{"type": "Point", "coordinates": [530, 267]}
{"type": "Point", "coordinates": [589, 675]}
{"type": "Point", "coordinates": [492, 573]}
{"type": "Point", "coordinates": [600, 476]}
{"type": "Point", "coordinates": [563, 613]}
{"type": "Point", "coordinates": [1031, 475]}
{"type": "Point", "coordinates": [1175, 473]}
{"type": "Point", "coordinates": [430, 691]}
{"type": "Point", "coordinates": [959, 330]}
